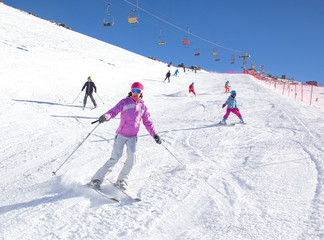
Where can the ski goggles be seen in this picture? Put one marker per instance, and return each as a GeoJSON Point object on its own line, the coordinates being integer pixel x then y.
{"type": "Point", "coordinates": [136, 90]}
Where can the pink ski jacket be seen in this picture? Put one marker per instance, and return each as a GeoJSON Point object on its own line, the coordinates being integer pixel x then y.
{"type": "Point", "coordinates": [130, 118]}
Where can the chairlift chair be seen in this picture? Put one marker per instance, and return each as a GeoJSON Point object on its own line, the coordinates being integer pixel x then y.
{"type": "Point", "coordinates": [233, 59]}
{"type": "Point", "coordinates": [161, 40]}
{"type": "Point", "coordinates": [133, 17]}
{"type": "Point", "coordinates": [197, 53]}
{"type": "Point", "coordinates": [108, 21]}
{"type": "Point", "coordinates": [185, 40]}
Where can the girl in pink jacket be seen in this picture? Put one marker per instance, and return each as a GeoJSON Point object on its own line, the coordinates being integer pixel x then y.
{"type": "Point", "coordinates": [132, 110]}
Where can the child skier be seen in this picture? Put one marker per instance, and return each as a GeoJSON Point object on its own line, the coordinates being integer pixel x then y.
{"type": "Point", "coordinates": [191, 88]}
{"type": "Point", "coordinates": [132, 110]}
{"type": "Point", "coordinates": [227, 86]}
{"type": "Point", "coordinates": [231, 107]}
{"type": "Point", "coordinates": [176, 72]}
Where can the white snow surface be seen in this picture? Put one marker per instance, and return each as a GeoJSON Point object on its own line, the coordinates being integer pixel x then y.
{"type": "Point", "coordinates": [262, 180]}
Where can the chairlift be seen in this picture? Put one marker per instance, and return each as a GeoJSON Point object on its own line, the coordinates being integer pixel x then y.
{"type": "Point", "coordinates": [217, 59]}
{"type": "Point", "coordinates": [233, 59]}
{"type": "Point", "coordinates": [109, 19]}
{"type": "Point", "coordinates": [185, 40]}
{"type": "Point", "coordinates": [161, 40]}
{"type": "Point", "coordinates": [214, 52]}
{"type": "Point", "coordinates": [133, 17]}
{"type": "Point", "coordinates": [197, 52]}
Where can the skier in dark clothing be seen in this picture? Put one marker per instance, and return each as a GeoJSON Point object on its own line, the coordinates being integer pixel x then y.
{"type": "Point", "coordinates": [90, 86]}
{"type": "Point", "coordinates": [167, 76]}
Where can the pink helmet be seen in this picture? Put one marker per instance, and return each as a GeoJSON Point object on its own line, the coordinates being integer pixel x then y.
{"type": "Point", "coordinates": [137, 85]}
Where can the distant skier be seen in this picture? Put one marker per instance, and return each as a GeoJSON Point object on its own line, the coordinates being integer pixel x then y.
{"type": "Point", "coordinates": [167, 76]}
{"type": "Point", "coordinates": [90, 86]}
{"type": "Point", "coordinates": [227, 86]}
{"type": "Point", "coordinates": [176, 72]}
{"type": "Point", "coordinates": [132, 110]}
{"type": "Point", "coordinates": [231, 107]}
{"type": "Point", "coordinates": [192, 89]}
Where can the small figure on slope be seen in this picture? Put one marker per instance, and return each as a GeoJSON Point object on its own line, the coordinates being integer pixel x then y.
{"type": "Point", "coordinates": [90, 86]}
{"type": "Point", "coordinates": [192, 89]}
{"type": "Point", "coordinates": [227, 86]}
{"type": "Point", "coordinates": [176, 72]}
{"type": "Point", "coordinates": [231, 107]}
{"type": "Point", "coordinates": [132, 110]}
{"type": "Point", "coordinates": [167, 76]}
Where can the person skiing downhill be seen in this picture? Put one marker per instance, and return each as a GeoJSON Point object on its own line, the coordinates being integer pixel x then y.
{"type": "Point", "coordinates": [227, 86]}
{"type": "Point", "coordinates": [132, 110]}
{"type": "Point", "coordinates": [231, 107]}
{"type": "Point", "coordinates": [167, 76]}
{"type": "Point", "coordinates": [192, 89]}
{"type": "Point", "coordinates": [90, 86]}
{"type": "Point", "coordinates": [176, 72]}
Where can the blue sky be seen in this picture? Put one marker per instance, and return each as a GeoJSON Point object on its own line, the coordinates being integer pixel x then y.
{"type": "Point", "coordinates": [287, 37]}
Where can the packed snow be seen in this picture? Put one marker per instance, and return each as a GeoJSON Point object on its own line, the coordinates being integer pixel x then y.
{"type": "Point", "coordinates": [262, 180]}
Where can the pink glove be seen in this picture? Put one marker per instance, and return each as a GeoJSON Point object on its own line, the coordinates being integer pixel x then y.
{"type": "Point", "coordinates": [223, 105]}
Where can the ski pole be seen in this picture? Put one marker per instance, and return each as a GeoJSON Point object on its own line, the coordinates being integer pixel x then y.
{"type": "Point", "coordinates": [183, 166]}
{"type": "Point", "coordinates": [100, 98]}
{"type": "Point", "coordinates": [54, 173]}
{"type": "Point", "coordinates": [77, 97]}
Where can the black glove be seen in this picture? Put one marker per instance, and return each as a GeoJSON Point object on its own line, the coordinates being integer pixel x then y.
{"type": "Point", "coordinates": [157, 139]}
{"type": "Point", "coordinates": [102, 119]}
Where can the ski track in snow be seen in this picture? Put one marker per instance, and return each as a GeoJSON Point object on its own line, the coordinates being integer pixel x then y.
{"type": "Point", "coordinates": [262, 180]}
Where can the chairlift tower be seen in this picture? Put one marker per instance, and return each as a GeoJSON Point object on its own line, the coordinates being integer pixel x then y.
{"type": "Point", "coordinates": [244, 61]}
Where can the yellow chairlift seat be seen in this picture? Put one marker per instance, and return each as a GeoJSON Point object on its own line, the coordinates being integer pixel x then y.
{"type": "Point", "coordinates": [161, 43]}
{"type": "Point", "coordinates": [214, 53]}
{"type": "Point", "coordinates": [132, 20]}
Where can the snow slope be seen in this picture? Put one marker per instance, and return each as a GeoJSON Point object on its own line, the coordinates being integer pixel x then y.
{"type": "Point", "coordinates": [262, 180]}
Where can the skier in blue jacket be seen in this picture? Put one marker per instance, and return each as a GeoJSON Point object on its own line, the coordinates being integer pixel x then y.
{"type": "Point", "coordinates": [231, 104]}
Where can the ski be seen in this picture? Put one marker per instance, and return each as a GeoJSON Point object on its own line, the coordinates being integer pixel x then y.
{"type": "Point", "coordinates": [230, 124]}
{"type": "Point", "coordinates": [136, 199]}
{"type": "Point", "coordinates": [222, 124]}
{"type": "Point", "coordinates": [103, 194]}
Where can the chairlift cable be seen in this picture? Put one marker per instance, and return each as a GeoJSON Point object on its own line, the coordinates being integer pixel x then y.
{"type": "Point", "coordinates": [175, 26]}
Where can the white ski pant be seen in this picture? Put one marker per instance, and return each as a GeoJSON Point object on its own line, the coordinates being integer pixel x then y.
{"type": "Point", "coordinates": [116, 154]}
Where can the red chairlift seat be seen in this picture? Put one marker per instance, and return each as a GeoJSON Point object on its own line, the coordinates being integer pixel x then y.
{"type": "Point", "coordinates": [185, 42]}
{"type": "Point", "coordinates": [197, 54]}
